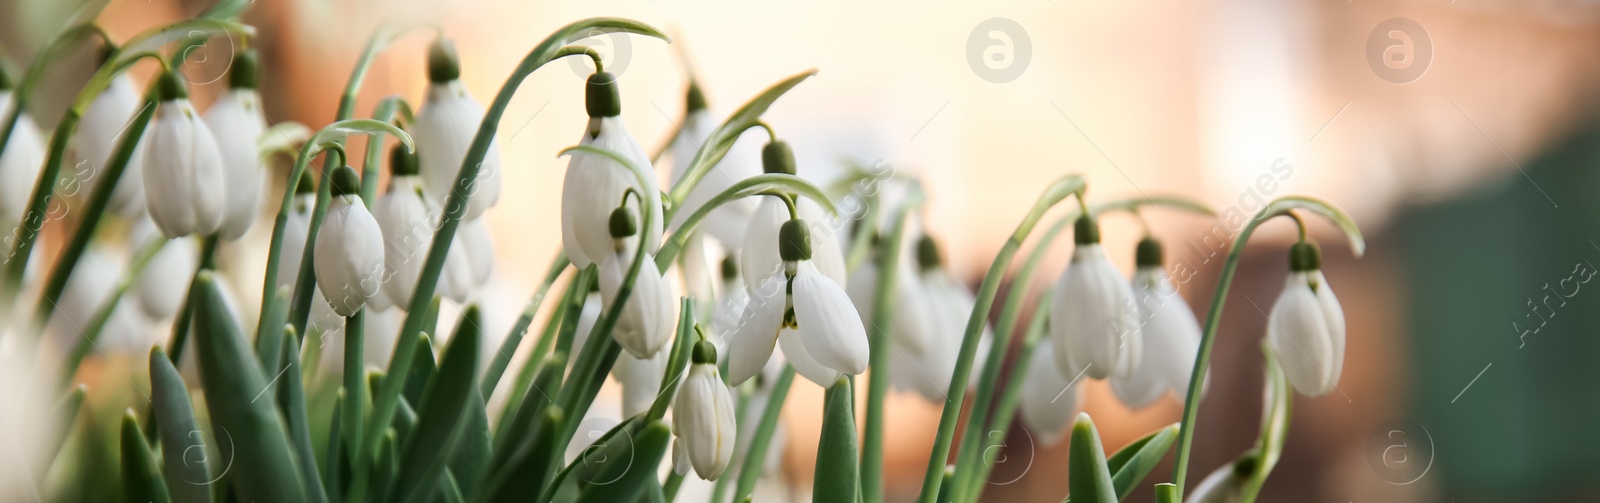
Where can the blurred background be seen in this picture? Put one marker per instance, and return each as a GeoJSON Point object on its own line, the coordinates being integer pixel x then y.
{"type": "Point", "coordinates": [1460, 134]}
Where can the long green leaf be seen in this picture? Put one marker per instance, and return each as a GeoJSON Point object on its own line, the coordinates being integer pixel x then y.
{"type": "Point", "coordinates": [721, 141]}
{"type": "Point", "coordinates": [186, 475]}
{"type": "Point", "coordinates": [438, 433]}
{"type": "Point", "coordinates": [474, 447]}
{"type": "Point", "coordinates": [1274, 425]}
{"type": "Point", "coordinates": [292, 400]}
{"type": "Point", "coordinates": [508, 347]}
{"type": "Point", "coordinates": [762, 439]}
{"type": "Point", "coordinates": [627, 480]}
{"type": "Point", "coordinates": [534, 464]}
{"type": "Point", "coordinates": [234, 385]}
{"type": "Point", "coordinates": [1087, 473]}
{"type": "Point", "coordinates": [66, 411]}
{"type": "Point", "coordinates": [837, 477]}
{"type": "Point", "coordinates": [748, 187]}
{"type": "Point", "coordinates": [141, 479]}
{"type": "Point", "coordinates": [1134, 462]}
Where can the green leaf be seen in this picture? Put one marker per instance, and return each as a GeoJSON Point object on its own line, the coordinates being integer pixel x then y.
{"type": "Point", "coordinates": [508, 347]}
{"type": "Point", "coordinates": [269, 345]}
{"type": "Point", "coordinates": [234, 390]}
{"type": "Point", "coordinates": [282, 138]}
{"type": "Point", "coordinates": [438, 432]}
{"type": "Point", "coordinates": [837, 477]}
{"type": "Point", "coordinates": [187, 474]}
{"type": "Point", "coordinates": [750, 470]}
{"type": "Point", "coordinates": [471, 462]}
{"type": "Point", "coordinates": [532, 465]}
{"type": "Point", "coordinates": [141, 480]}
{"type": "Point", "coordinates": [1334, 214]}
{"type": "Point", "coordinates": [511, 440]}
{"type": "Point", "coordinates": [67, 412]}
{"type": "Point", "coordinates": [1226, 485]}
{"type": "Point", "coordinates": [721, 141]}
{"type": "Point", "coordinates": [1087, 473]}
{"type": "Point", "coordinates": [388, 467]}
{"type": "Point", "coordinates": [335, 469]}
{"type": "Point", "coordinates": [1134, 462]}
{"type": "Point", "coordinates": [292, 400]}
{"type": "Point", "coordinates": [422, 369]}
{"type": "Point", "coordinates": [627, 479]}
{"type": "Point", "coordinates": [677, 360]}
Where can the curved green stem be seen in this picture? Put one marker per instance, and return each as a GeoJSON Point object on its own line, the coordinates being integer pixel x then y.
{"type": "Point", "coordinates": [1280, 206]}
{"type": "Point", "coordinates": [392, 109]}
{"type": "Point", "coordinates": [1006, 408]}
{"type": "Point", "coordinates": [969, 479]}
{"type": "Point", "coordinates": [753, 186]}
{"type": "Point", "coordinates": [762, 439]}
{"type": "Point", "coordinates": [52, 51]}
{"type": "Point", "coordinates": [98, 201]}
{"type": "Point", "coordinates": [388, 395]}
{"type": "Point", "coordinates": [878, 341]}
{"type": "Point", "coordinates": [180, 324]}
{"type": "Point", "coordinates": [502, 356]}
{"type": "Point", "coordinates": [1057, 191]}
{"type": "Point", "coordinates": [376, 43]}
{"type": "Point", "coordinates": [721, 141]}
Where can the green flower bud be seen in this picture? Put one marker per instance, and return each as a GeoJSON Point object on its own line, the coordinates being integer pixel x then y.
{"type": "Point", "coordinates": [928, 256]}
{"type": "Point", "coordinates": [307, 184]}
{"type": "Point", "coordinates": [245, 73]}
{"type": "Point", "coordinates": [170, 87]}
{"type": "Point", "coordinates": [345, 182]}
{"type": "Point", "coordinates": [704, 353]}
{"type": "Point", "coordinates": [1086, 230]}
{"type": "Point", "coordinates": [402, 161]}
{"type": "Point", "coordinates": [696, 100]}
{"type": "Point", "coordinates": [777, 157]}
{"type": "Point", "coordinates": [1148, 254]}
{"type": "Point", "coordinates": [1305, 256]}
{"type": "Point", "coordinates": [794, 241]}
{"type": "Point", "coordinates": [443, 63]}
{"type": "Point", "coordinates": [602, 97]}
{"type": "Point", "coordinates": [622, 223]}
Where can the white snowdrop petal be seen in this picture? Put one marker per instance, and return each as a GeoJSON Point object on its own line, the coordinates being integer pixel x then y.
{"type": "Point", "coordinates": [24, 155]}
{"type": "Point", "coordinates": [1298, 335]}
{"type": "Point", "coordinates": [594, 185]}
{"type": "Point", "coordinates": [236, 122]}
{"type": "Point", "coordinates": [586, 320]}
{"type": "Point", "coordinates": [641, 380]}
{"type": "Point", "coordinates": [402, 216]}
{"type": "Point", "coordinates": [474, 237]}
{"type": "Point", "coordinates": [794, 349]}
{"type": "Point", "coordinates": [644, 326]}
{"type": "Point", "coordinates": [828, 323]}
{"type": "Point", "coordinates": [349, 255]}
{"type": "Point", "coordinates": [96, 138]}
{"type": "Point", "coordinates": [750, 343]}
{"type": "Point", "coordinates": [703, 419]}
{"type": "Point", "coordinates": [1047, 400]}
{"type": "Point", "coordinates": [1092, 317]}
{"type": "Point", "coordinates": [444, 129]}
{"type": "Point", "coordinates": [159, 294]}
{"type": "Point", "coordinates": [1333, 314]}
{"type": "Point", "coordinates": [759, 257]}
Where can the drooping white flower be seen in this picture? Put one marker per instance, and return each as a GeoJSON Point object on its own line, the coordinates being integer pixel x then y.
{"type": "Point", "coordinates": [1048, 397]}
{"type": "Point", "coordinates": [406, 219]}
{"type": "Point", "coordinates": [183, 178]}
{"type": "Point", "coordinates": [908, 331]}
{"type": "Point", "coordinates": [587, 317]}
{"type": "Point", "coordinates": [159, 294]}
{"type": "Point", "coordinates": [703, 415]}
{"type": "Point", "coordinates": [806, 313]}
{"type": "Point", "coordinates": [237, 123]}
{"type": "Point", "coordinates": [640, 379]}
{"type": "Point", "coordinates": [296, 227]}
{"type": "Point", "coordinates": [726, 223]}
{"type": "Point", "coordinates": [595, 184]}
{"type": "Point", "coordinates": [93, 282]}
{"type": "Point", "coordinates": [646, 323]}
{"type": "Point", "coordinates": [29, 422]}
{"type": "Point", "coordinates": [1171, 334]}
{"type": "Point", "coordinates": [1093, 319]}
{"type": "Point", "coordinates": [945, 306]}
{"type": "Point", "coordinates": [478, 250]}
{"type": "Point", "coordinates": [444, 129]}
{"type": "Point", "coordinates": [20, 163]}
{"type": "Point", "coordinates": [759, 258]}
{"type": "Point", "coordinates": [96, 139]}
{"type": "Point", "coordinates": [1306, 329]}
{"type": "Point", "coordinates": [349, 249]}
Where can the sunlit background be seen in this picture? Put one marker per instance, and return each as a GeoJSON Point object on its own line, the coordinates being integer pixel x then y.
{"type": "Point", "coordinates": [1461, 137]}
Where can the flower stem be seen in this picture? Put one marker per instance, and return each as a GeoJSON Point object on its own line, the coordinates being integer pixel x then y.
{"type": "Point", "coordinates": [878, 340]}
{"type": "Point", "coordinates": [180, 325]}
{"type": "Point", "coordinates": [753, 186]}
{"type": "Point", "coordinates": [1191, 403]}
{"type": "Point", "coordinates": [102, 316]}
{"type": "Point", "coordinates": [502, 356]}
{"type": "Point", "coordinates": [755, 458]}
{"type": "Point", "coordinates": [355, 383]}
{"type": "Point", "coordinates": [1057, 191]}
{"type": "Point", "coordinates": [51, 53]}
{"type": "Point", "coordinates": [392, 109]}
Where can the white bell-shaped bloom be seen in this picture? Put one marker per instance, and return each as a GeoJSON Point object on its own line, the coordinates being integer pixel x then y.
{"type": "Point", "coordinates": [296, 228]}
{"type": "Point", "coordinates": [159, 294]}
{"type": "Point", "coordinates": [443, 131]}
{"type": "Point", "coordinates": [1092, 317]}
{"type": "Point", "coordinates": [92, 284]}
{"type": "Point", "coordinates": [595, 184]}
{"type": "Point", "coordinates": [349, 249]}
{"type": "Point", "coordinates": [456, 282]}
{"type": "Point", "coordinates": [19, 164]}
{"type": "Point", "coordinates": [703, 416]}
{"type": "Point", "coordinates": [754, 406]}
{"type": "Point", "coordinates": [237, 123]}
{"type": "Point", "coordinates": [726, 223]}
{"type": "Point", "coordinates": [184, 183]}
{"type": "Point", "coordinates": [758, 258]}
{"type": "Point", "coordinates": [406, 220]}
{"type": "Point", "coordinates": [1306, 331]}
{"type": "Point", "coordinates": [646, 323]}
{"type": "Point", "coordinates": [946, 305]}
{"type": "Point", "coordinates": [479, 250]}
{"type": "Point", "coordinates": [909, 330]}
{"type": "Point", "coordinates": [95, 140]}
{"type": "Point", "coordinates": [815, 324]}
{"type": "Point", "coordinates": [640, 379]}
{"type": "Point", "coordinates": [1171, 339]}
{"type": "Point", "coordinates": [1048, 397]}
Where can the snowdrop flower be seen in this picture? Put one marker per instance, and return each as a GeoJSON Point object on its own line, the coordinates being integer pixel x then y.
{"type": "Point", "coordinates": [159, 294]}
{"type": "Point", "coordinates": [93, 282]}
{"type": "Point", "coordinates": [1306, 327]}
{"type": "Point", "coordinates": [478, 250]}
{"type": "Point", "coordinates": [20, 163]}
{"type": "Point", "coordinates": [944, 307]}
{"type": "Point", "coordinates": [406, 218]}
{"type": "Point", "coordinates": [184, 182]}
{"type": "Point", "coordinates": [806, 313]}
{"type": "Point", "coordinates": [1171, 334]}
{"type": "Point", "coordinates": [703, 415]}
{"type": "Point", "coordinates": [755, 404]}
{"type": "Point", "coordinates": [30, 421]}
{"type": "Point", "coordinates": [726, 223]}
{"type": "Point", "coordinates": [909, 330]}
{"type": "Point", "coordinates": [444, 129]}
{"type": "Point", "coordinates": [593, 181]}
{"type": "Point", "coordinates": [759, 258]}
{"type": "Point", "coordinates": [349, 248]}
{"type": "Point", "coordinates": [1048, 397]}
{"type": "Point", "coordinates": [96, 138]}
{"type": "Point", "coordinates": [237, 123]}
{"type": "Point", "coordinates": [1094, 322]}
{"type": "Point", "coordinates": [640, 379]}
{"type": "Point", "coordinates": [296, 227]}
{"type": "Point", "coordinates": [645, 326]}
{"type": "Point", "coordinates": [587, 317]}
